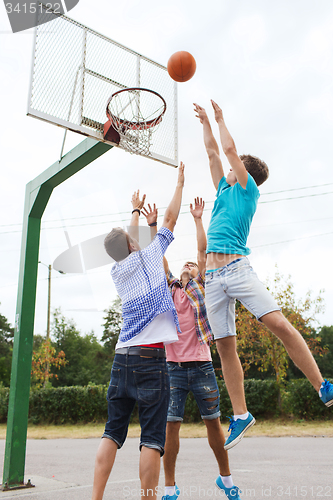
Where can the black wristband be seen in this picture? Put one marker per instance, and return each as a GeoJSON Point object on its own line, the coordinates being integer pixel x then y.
{"type": "Point", "coordinates": [152, 224]}
{"type": "Point", "coordinates": [136, 210]}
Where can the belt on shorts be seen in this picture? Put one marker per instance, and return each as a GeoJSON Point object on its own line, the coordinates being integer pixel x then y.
{"type": "Point", "coordinates": [148, 352]}
{"type": "Point", "coordinates": [188, 364]}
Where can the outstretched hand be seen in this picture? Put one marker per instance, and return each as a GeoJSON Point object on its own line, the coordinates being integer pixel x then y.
{"type": "Point", "coordinates": [217, 111]}
{"type": "Point", "coordinates": [150, 215]}
{"type": "Point", "coordinates": [136, 202]}
{"type": "Point", "coordinates": [201, 112]}
{"type": "Point", "coordinates": [198, 208]}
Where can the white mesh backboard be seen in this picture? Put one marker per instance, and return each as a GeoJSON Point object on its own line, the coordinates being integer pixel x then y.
{"type": "Point", "coordinates": [74, 72]}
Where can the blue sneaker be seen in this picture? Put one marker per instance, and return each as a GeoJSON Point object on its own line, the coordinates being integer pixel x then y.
{"type": "Point", "coordinates": [237, 430]}
{"type": "Point", "coordinates": [327, 393]}
{"type": "Point", "coordinates": [172, 497]}
{"type": "Point", "coordinates": [231, 493]}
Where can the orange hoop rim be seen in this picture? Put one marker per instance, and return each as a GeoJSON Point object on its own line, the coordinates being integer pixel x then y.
{"type": "Point", "coordinates": [138, 125]}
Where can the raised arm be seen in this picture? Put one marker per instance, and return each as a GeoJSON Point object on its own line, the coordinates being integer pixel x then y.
{"type": "Point", "coordinates": [196, 212]}
{"type": "Point", "coordinates": [215, 163]}
{"type": "Point", "coordinates": [137, 205]}
{"type": "Point", "coordinates": [229, 148]}
{"type": "Point", "coordinates": [151, 217]}
{"type": "Point", "coordinates": [172, 212]}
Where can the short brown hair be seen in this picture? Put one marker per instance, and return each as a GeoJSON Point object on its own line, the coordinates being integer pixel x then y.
{"type": "Point", "coordinates": [116, 244]}
{"type": "Point", "coordinates": [256, 167]}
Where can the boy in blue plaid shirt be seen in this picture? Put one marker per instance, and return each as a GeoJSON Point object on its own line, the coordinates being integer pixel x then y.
{"type": "Point", "coordinates": [139, 372]}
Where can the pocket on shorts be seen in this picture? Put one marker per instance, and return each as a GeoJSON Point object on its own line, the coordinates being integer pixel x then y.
{"type": "Point", "coordinates": [171, 367]}
{"type": "Point", "coordinates": [207, 369]}
{"type": "Point", "coordinates": [114, 384]}
{"type": "Point", "coordinates": [148, 385]}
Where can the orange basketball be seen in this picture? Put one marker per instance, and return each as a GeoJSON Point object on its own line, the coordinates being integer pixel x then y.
{"type": "Point", "coordinates": [181, 66]}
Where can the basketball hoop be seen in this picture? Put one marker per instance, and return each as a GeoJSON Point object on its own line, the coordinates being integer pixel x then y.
{"type": "Point", "coordinates": [135, 113]}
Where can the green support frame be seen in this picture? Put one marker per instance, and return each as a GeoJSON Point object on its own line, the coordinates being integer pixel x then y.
{"type": "Point", "coordinates": [38, 193]}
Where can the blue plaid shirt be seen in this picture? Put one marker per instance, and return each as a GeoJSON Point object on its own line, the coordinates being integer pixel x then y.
{"type": "Point", "coordinates": [142, 286]}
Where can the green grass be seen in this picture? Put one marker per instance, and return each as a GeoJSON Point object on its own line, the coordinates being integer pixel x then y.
{"type": "Point", "coordinates": [270, 428]}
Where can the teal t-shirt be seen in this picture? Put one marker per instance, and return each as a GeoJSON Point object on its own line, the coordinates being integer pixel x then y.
{"type": "Point", "coordinates": [231, 218]}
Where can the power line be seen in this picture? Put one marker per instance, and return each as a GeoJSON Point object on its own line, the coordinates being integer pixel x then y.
{"type": "Point", "coordinates": [296, 197]}
{"type": "Point", "coordinates": [297, 189]}
{"type": "Point", "coordinates": [294, 239]}
{"type": "Point", "coordinates": [186, 205]}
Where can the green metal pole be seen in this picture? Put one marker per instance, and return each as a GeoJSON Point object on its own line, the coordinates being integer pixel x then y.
{"type": "Point", "coordinates": [38, 193]}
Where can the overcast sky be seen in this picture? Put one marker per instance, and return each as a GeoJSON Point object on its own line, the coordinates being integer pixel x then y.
{"type": "Point", "coordinates": [269, 66]}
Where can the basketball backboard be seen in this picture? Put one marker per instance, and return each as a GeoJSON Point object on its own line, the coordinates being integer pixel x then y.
{"type": "Point", "coordinates": [75, 70]}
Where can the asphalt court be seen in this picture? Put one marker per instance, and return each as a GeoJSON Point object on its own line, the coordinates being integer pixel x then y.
{"type": "Point", "coordinates": [263, 467]}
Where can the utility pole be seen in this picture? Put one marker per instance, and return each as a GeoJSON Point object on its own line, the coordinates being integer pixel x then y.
{"type": "Point", "coordinates": [48, 325]}
{"type": "Point", "coordinates": [48, 304]}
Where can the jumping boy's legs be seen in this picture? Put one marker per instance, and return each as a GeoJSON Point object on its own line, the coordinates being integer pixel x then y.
{"type": "Point", "coordinates": [171, 451]}
{"type": "Point", "coordinates": [216, 441]}
{"type": "Point", "coordinates": [295, 346]}
{"type": "Point", "coordinates": [257, 299]}
{"type": "Point", "coordinates": [202, 383]}
{"type": "Point", "coordinates": [232, 373]}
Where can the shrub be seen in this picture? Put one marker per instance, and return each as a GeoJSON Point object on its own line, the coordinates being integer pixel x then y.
{"type": "Point", "coordinates": [4, 396]}
{"type": "Point", "coordinates": [261, 398]}
{"type": "Point", "coordinates": [88, 404]}
{"type": "Point", "coordinates": [68, 404]}
{"type": "Point", "coordinates": [302, 401]}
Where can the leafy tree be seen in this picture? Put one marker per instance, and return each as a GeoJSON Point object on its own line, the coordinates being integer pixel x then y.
{"type": "Point", "coordinates": [44, 359]}
{"type": "Point", "coordinates": [258, 346]}
{"type": "Point", "coordinates": [112, 326]}
{"type": "Point", "coordinates": [6, 348]}
{"type": "Point", "coordinates": [87, 361]}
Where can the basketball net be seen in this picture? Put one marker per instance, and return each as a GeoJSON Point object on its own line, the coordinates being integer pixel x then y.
{"type": "Point", "coordinates": [135, 114]}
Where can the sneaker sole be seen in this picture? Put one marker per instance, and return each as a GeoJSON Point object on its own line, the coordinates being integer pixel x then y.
{"type": "Point", "coordinates": [329, 403]}
{"type": "Point", "coordinates": [240, 436]}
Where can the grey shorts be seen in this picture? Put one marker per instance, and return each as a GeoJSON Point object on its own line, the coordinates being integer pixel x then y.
{"type": "Point", "coordinates": [236, 280]}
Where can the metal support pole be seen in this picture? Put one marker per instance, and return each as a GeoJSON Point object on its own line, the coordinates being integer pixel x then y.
{"type": "Point", "coordinates": [38, 193]}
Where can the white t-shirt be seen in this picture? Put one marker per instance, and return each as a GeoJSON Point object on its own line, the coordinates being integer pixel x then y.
{"type": "Point", "coordinates": [161, 329]}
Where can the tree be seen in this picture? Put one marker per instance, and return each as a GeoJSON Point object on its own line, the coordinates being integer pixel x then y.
{"type": "Point", "coordinates": [6, 348]}
{"type": "Point", "coordinates": [258, 346]}
{"type": "Point", "coordinates": [44, 360]}
{"type": "Point", "coordinates": [112, 326]}
{"type": "Point", "coordinates": [87, 361]}
{"type": "Point", "coordinates": [325, 362]}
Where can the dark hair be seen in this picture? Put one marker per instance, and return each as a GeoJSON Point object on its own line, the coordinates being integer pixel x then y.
{"type": "Point", "coordinates": [256, 167]}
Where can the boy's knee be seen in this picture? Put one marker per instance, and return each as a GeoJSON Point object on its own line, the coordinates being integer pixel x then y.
{"type": "Point", "coordinates": [226, 346]}
{"type": "Point", "coordinates": [278, 323]}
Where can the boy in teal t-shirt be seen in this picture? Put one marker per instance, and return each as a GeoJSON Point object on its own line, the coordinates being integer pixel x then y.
{"type": "Point", "coordinates": [229, 275]}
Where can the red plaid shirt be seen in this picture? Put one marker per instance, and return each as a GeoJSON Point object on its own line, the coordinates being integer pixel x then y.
{"type": "Point", "coordinates": [195, 290]}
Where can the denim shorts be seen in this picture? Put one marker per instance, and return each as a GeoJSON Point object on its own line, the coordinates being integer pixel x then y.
{"type": "Point", "coordinates": [145, 381]}
{"type": "Point", "coordinates": [236, 280]}
{"type": "Point", "coordinates": [201, 381]}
